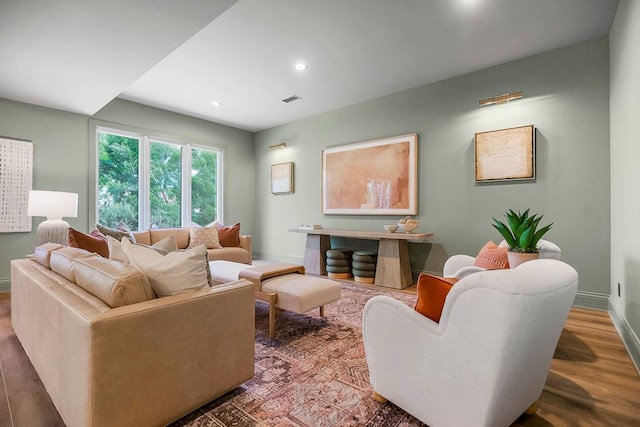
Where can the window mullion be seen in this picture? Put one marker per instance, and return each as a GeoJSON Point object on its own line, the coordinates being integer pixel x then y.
{"type": "Point", "coordinates": [144, 202]}
{"type": "Point", "coordinates": [186, 185]}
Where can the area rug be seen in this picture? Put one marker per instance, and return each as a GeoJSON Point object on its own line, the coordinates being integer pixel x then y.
{"type": "Point", "coordinates": [313, 374]}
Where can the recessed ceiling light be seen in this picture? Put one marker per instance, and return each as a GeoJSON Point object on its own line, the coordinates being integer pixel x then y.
{"type": "Point", "coordinates": [216, 103]}
{"type": "Point", "coordinates": [300, 66]}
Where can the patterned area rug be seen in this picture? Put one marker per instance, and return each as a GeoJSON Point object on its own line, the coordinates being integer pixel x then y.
{"type": "Point", "coordinates": [313, 374]}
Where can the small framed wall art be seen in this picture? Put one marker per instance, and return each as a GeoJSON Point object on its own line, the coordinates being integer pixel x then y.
{"type": "Point", "coordinates": [282, 178]}
{"type": "Point", "coordinates": [506, 154]}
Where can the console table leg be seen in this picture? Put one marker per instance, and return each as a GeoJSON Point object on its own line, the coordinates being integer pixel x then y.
{"type": "Point", "coordinates": [393, 269]}
{"type": "Point", "coordinates": [315, 254]}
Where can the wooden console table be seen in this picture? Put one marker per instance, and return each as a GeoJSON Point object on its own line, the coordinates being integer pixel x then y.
{"type": "Point", "coordinates": [393, 269]}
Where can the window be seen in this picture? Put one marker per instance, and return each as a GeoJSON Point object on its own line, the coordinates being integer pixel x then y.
{"type": "Point", "coordinates": [153, 183]}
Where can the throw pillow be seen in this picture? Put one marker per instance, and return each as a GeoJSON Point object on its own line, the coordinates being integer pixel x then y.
{"type": "Point", "coordinates": [117, 233]}
{"type": "Point", "coordinates": [229, 235]}
{"type": "Point", "coordinates": [116, 252]}
{"type": "Point", "coordinates": [93, 242]}
{"type": "Point", "coordinates": [432, 292]}
{"type": "Point", "coordinates": [163, 247]}
{"type": "Point", "coordinates": [173, 273]}
{"type": "Point", "coordinates": [207, 236]}
{"type": "Point", "coordinates": [492, 257]}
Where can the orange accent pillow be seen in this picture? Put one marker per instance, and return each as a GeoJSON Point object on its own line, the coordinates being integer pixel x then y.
{"type": "Point", "coordinates": [492, 257]}
{"type": "Point", "coordinates": [229, 235]}
{"type": "Point", "coordinates": [432, 291]}
{"type": "Point", "coordinates": [93, 242]}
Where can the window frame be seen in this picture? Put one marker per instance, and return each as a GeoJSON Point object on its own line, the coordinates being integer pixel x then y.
{"type": "Point", "coordinates": [144, 172]}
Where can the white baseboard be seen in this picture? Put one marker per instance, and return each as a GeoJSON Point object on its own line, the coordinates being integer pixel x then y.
{"type": "Point", "coordinates": [629, 338]}
{"type": "Point", "coordinates": [591, 300]}
{"type": "Point", "coordinates": [278, 257]}
{"type": "Point", "coordinates": [5, 284]}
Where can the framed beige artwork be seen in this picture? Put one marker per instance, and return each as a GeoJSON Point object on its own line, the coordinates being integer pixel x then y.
{"type": "Point", "coordinates": [506, 154]}
{"type": "Point", "coordinates": [371, 178]}
{"type": "Point", "coordinates": [282, 178]}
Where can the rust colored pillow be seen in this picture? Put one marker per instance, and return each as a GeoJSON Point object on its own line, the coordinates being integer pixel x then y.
{"type": "Point", "coordinates": [93, 242]}
{"type": "Point", "coordinates": [432, 291]}
{"type": "Point", "coordinates": [229, 235]}
{"type": "Point", "coordinates": [492, 257]}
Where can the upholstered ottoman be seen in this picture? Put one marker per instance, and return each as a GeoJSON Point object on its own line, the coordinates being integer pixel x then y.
{"type": "Point", "coordinates": [284, 286]}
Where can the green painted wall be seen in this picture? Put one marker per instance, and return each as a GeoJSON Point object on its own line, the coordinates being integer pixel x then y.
{"type": "Point", "coordinates": [63, 147]}
{"type": "Point", "coordinates": [567, 99]}
{"type": "Point", "coordinates": [625, 173]}
{"type": "Point", "coordinates": [59, 163]}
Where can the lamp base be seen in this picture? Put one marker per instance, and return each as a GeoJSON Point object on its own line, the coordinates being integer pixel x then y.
{"type": "Point", "coordinates": [54, 231]}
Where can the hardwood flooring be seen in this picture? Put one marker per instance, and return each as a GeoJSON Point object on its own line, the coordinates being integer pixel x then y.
{"type": "Point", "coordinates": [592, 381]}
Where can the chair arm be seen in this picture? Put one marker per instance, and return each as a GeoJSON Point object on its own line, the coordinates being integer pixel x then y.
{"type": "Point", "coordinates": [455, 263]}
{"type": "Point", "coordinates": [465, 271]}
{"type": "Point", "coordinates": [397, 340]}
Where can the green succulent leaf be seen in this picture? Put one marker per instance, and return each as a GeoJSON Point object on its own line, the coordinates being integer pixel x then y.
{"type": "Point", "coordinates": [521, 230]}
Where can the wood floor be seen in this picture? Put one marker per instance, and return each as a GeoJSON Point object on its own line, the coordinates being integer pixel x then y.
{"type": "Point", "coordinates": [592, 381]}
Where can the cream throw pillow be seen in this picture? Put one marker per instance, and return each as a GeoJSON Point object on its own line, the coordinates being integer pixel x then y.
{"type": "Point", "coordinates": [170, 274]}
{"type": "Point", "coordinates": [207, 236]}
{"type": "Point", "coordinates": [163, 246]}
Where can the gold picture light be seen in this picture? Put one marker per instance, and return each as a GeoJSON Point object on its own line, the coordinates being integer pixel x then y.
{"type": "Point", "coordinates": [278, 146]}
{"type": "Point", "coordinates": [501, 99]}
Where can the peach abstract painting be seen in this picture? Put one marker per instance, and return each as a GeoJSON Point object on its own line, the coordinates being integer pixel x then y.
{"type": "Point", "coordinates": [376, 177]}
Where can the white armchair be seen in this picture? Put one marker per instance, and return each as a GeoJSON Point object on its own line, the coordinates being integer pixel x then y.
{"type": "Point", "coordinates": [460, 266]}
{"type": "Point", "coordinates": [487, 360]}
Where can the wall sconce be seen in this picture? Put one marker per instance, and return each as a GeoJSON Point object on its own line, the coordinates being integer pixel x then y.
{"type": "Point", "coordinates": [278, 146]}
{"type": "Point", "coordinates": [54, 205]}
{"type": "Point", "coordinates": [501, 99]}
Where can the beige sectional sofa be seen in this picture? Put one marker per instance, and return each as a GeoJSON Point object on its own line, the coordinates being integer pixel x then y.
{"type": "Point", "coordinates": [240, 254]}
{"type": "Point", "coordinates": [112, 354]}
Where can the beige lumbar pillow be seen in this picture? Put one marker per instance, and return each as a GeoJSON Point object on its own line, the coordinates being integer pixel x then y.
{"type": "Point", "coordinates": [207, 236]}
{"type": "Point", "coordinates": [173, 273]}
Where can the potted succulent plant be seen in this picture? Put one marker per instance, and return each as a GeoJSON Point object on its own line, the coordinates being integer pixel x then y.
{"type": "Point", "coordinates": [522, 235]}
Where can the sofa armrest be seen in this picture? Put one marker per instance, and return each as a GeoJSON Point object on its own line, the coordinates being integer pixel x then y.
{"type": "Point", "coordinates": [178, 352]}
{"type": "Point", "coordinates": [245, 243]}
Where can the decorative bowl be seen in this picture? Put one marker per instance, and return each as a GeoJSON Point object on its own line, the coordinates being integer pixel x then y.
{"type": "Point", "coordinates": [408, 228]}
{"type": "Point", "coordinates": [391, 228]}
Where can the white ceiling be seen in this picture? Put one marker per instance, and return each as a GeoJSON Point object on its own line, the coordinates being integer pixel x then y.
{"type": "Point", "coordinates": [79, 55]}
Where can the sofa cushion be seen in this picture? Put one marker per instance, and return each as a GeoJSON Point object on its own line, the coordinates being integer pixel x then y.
{"type": "Point", "coordinates": [229, 236]}
{"type": "Point", "coordinates": [61, 261]}
{"type": "Point", "coordinates": [173, 273]}
{"type": "Point", "coordinates": [93, 242]}
{"type": "Point", "coordinates": [181, 235]}
{"type": "Point", "coordinates": [230, 254]}
{"type": "Point", "coordinates": [492, 257]}
{"type": "Point", "coordinates": [207, 236]}
{"type": "Point", "coordinates": [115, 283]}
{"type": "Point", "coordinates": [42, 253]}
{"type": "Point", "coordinates": [117, 233]}
{"type": "Point", "coordinates": [432, 292]}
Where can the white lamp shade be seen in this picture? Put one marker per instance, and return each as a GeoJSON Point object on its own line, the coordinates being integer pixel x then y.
{"type": "Point", "coordinates": [52, 204]}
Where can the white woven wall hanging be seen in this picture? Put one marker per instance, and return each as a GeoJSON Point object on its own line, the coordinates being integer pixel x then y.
{"type": "Point", "coordinates": [16, 174]}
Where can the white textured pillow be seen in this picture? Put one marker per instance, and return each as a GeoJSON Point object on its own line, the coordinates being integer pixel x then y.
{"type": "Point", "coordinates": [207, 236]}
{"type": "Point", "coordinates": [115, 250]}
{"type": "Point", "coordinates": [163, 246]}
{"type": "Point", "coordinates": [173, 273]}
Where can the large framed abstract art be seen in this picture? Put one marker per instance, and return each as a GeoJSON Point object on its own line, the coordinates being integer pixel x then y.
{"type": "Point", "coordinates": [377, 177]}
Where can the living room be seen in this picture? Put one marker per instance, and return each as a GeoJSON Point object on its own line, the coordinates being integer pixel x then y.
{"type": "Point", "coordinates": [580, 97]}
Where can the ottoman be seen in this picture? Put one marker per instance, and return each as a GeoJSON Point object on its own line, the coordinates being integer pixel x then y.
{"type": "Point", "coordinates": [284, 286]}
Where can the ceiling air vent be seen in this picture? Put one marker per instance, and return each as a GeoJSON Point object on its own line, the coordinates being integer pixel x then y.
{"type": "Point", "coordinates": [291, 99]}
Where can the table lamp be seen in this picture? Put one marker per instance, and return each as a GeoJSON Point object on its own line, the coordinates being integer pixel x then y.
{"type": "Point", "coordinates": [54, 205]}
